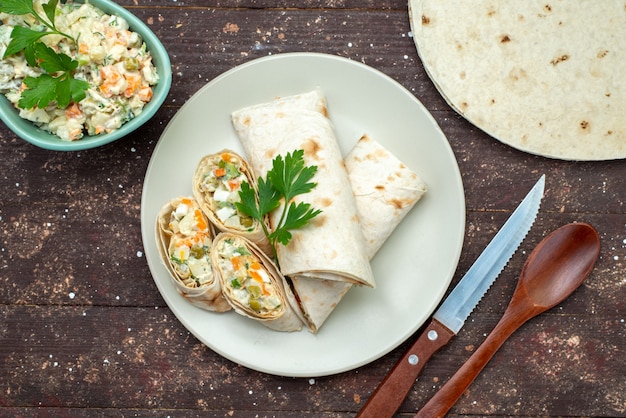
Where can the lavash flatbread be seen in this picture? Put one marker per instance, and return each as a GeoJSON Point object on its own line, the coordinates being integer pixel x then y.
{"type": "Point", "coordinates": [332, 246]}
{"type": "Point", "coordinates": [379, 178]}
{"type": "Point", "coordinates": [385, 190]}
{"type": "Point", "coordinates": [544, 77]}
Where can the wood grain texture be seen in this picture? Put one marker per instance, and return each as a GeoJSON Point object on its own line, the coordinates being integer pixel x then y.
{"type": "Point", "coordinates": [84, 330]}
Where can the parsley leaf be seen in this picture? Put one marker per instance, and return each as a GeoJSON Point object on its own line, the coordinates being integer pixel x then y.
{"type": "Point", "coordinates": [24, 37]}
{"type": "Point", "coordinates": [21, 39]}
{"type": "Point", "coordinates": [58, 85]}
{"type": "Point", "coordinates": [40, 92]}
{"type": "Point", "coordinates": [18, 7]}
{"type": "Point", "coordinates": [50, 10]}
{"type": "Point", "coordinates": [289, 177]}
{"type": "Point", "coordinates": [46, 88]}
{"type": "Point", "coordinates": [51, 61]}
{"type": "Point", "coordinates": [298, 216]}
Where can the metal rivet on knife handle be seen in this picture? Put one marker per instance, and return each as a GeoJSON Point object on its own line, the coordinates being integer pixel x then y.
{"type": "Point", "coordinates": [389, 395]}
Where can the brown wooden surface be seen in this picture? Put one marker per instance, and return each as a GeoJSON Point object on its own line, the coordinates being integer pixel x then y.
{"type": "Point", "coordinates": [84, 330]}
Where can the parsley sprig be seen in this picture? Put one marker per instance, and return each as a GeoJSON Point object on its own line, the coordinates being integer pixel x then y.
{"type": "Point", "coordinates": [288, 178]}
{"type": "Point", "coordinates": [57, 84]}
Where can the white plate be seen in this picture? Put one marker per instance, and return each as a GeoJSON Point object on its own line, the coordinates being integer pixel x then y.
{"type": "Point", "coordinates": [412, 270]}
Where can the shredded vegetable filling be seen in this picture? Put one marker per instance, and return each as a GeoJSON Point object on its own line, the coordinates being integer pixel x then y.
{"type": "Point", "coordinates": [221, 186]}
{"type": "Point", "coordinates": [249, 281]}
{"type": "Point", "coordinates": [111, 58]}
{"type": "Point", "coordinates": [190, 245]}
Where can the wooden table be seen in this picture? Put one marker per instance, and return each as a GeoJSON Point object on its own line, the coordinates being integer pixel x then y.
{"type": "Point", "coordinates": [84, 330]}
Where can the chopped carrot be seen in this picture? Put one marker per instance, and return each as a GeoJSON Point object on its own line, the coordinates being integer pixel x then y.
{"type": "Point", "coordinates": [73, 111]}
{"type": "Point", "coordinates": [75, 134]}
{"type": "Point", "coordinates": [110, 74]}
{"type": "Point", "coordinates": [233, 184]}
{"type": "Point", "coordinates": [83, 48]}
{"type": "Point", "coordinates": [219, 172]}
{"type": "Point", "coordinates": [236, 262]}
{"type": "Point", "coordinates": [226, 157]}
{"type": "Point", "coordinates": [255, 265]}
{"type": "Point", "coordinates": [106, 90]}
{"type": "Point", "coordinates": [265, 291]}
{"type": "Point", "coordinates": [200, 222]}
{"type": "Point", "coordinates": [256, 276]}
{"type": "Point", "coordinates": [133, 81]}
{"type": "Point", "coordinates": [145, 94]}
{"type": "Point", "coordinates": [186, 201]}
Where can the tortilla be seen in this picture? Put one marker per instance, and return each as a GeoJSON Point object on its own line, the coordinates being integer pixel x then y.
{"type": "Point", "coordinates": [543, 77]}
{"type": "Point", "coordinates": [217, 195]}
{"type": "Point", "coordinates": [385, 190]}
{"type": "Point", "coordinates": [378, 177]}
{"type": "Point", "coordinates": [252, 284]}
{"type": "Point", "coordinates": [331, 246]}
{"type": "Point", "coordinates": [184, 241]}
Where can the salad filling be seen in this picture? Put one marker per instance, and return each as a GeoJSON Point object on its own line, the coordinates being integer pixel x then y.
{"type": "Point", "coordinates": [190, 244]}
{"type": "Point", "coordinates": [247, 280]}
{"type": "Point", "coordinates": [220, 183]}
{"type": "Point", "coordinates": [110, 58]}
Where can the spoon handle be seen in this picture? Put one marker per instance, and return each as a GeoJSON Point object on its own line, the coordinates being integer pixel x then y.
{"type": "Point", "coordinates": [447, 396]}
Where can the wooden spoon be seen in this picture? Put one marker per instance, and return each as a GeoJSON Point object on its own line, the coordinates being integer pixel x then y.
{"type": "Point", "coordinates": [555, 268]}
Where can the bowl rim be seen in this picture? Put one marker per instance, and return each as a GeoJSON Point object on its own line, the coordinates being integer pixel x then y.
{"type": "Point", "coordinates": [29, 132]}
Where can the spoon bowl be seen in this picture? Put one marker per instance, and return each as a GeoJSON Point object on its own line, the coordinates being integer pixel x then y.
{"type": "Point", "coordinates": [559, 264]}
{"type": "Point", "coordinates": [555, 268]}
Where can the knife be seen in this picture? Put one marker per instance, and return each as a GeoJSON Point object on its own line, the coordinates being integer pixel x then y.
{"type": "Point", "coordinates": [451, 315]}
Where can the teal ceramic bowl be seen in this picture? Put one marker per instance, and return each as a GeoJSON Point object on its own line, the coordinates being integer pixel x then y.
{"type": "Point", "coordinates": [31, 133]}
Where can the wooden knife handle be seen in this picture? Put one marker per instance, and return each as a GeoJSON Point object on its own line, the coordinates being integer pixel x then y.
{"type": "Point", "coordinates": [446, 397]}
{"type": "Point", "coordinates": [394, 388]}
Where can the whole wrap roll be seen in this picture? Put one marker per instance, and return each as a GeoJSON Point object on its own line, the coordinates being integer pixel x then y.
{"type": "Point", "coordinates": [385, 190]}
{"type": "Point", "coordinates": [332, 246]}
{"type": "Point", "coordinates": [184, 241]}
{"type": "Point", "coordinates": [252, 284]}
{"type": "Point", "coordinates": [216, 184]}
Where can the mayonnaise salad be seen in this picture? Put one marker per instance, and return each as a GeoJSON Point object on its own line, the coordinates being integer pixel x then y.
{"type": "Point", "coordinates": [111, 58]}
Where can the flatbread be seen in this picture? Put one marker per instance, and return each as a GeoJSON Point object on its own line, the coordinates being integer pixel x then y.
{"type": "Point", "coordinates": [544, 77]}
{"type": "Point", "coordinates": [385, 191]}
{"type": "Point", "coordinates": [332, 246]}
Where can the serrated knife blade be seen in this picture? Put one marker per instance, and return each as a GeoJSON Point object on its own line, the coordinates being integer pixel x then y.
{"type": "Point", "coordinates": [454, 311]}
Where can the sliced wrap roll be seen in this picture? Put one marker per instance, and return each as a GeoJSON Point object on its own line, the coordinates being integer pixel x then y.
{"type": "Point", "coordinates": [216, 184]}
{"type": "Point", "coordinates": [332, 246]}
{"type": "Point", "coordinates": [184, 241]}
{"type": "Point", "coordinates": [252, 284]}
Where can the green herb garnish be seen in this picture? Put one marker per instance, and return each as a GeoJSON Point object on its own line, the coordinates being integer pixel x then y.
{"type": "Point", "coordinates": [289, 177]}
{"type": "Point", "coordinates": [57, 84]}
